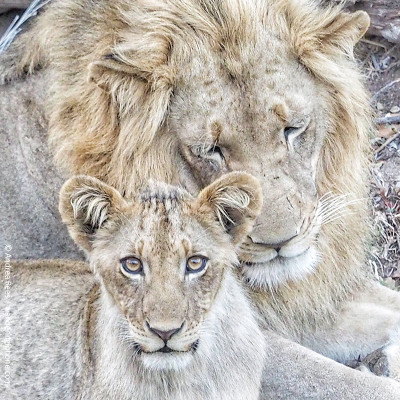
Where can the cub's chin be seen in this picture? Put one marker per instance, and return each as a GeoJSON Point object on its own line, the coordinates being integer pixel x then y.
{"type": "Point", "coordinates": [173, 361]}
{"type": "Point", "coordinates": [279, 270]}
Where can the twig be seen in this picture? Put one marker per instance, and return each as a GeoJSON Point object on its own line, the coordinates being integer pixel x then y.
{"type": "Point", "coordinates": [391, 50]}
{"type": "Point", "coordinates": [389, 85]}
{"type": "Point", "coordinates": [395, 119]}
{"type": "Point", "coordinates": [390, 140]}
{"type": "Point", "coordinates": [373, 43]}
{"type": "Point", "coordinates": [18, 21]}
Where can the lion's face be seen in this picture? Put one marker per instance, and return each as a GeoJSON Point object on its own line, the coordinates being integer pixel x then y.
{"type": "Point", "coordinates": [225, 122]}
{"type": "Point", "coordinates": [163, 258]}
{"type": "Point", "coordinates": [197, 89]}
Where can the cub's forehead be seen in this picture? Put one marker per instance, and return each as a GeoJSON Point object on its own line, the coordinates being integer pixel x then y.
{"type": "Point", "coordinates": [163, 206]}
{"type": "Point", "coordinates": [164, 219]}
{"type": "Point", "coordinates": [163, 194]}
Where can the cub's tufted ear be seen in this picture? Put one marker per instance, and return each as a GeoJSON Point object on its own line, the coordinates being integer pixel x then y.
{"type": "Point", "coordinates": [85, 205]}
{"type": "Point", "coordinates": [236, 199]}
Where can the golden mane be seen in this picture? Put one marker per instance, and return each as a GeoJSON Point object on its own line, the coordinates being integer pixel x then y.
{"type": "Point", "coordinates": [343, 168]}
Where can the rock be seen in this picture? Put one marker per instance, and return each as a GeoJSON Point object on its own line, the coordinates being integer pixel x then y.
{"type": "Point", "coordinates": [395, 109]}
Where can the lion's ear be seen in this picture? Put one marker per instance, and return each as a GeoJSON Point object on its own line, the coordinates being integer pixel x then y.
{"type": "Point", "coordinates": [346, 27]}
{"type": "Point", "coordinates": [236, 200]}
{"type": "Point", "coordinates": [104, 71]}
{"type": "Point", "coordinates": [314, 30]}
{"type": "Point", "coordinates": [145, 64]}
{"type": "Point", "coordinates": [85, 205]}
{"type": "Point", "coordinates": [139, 87]}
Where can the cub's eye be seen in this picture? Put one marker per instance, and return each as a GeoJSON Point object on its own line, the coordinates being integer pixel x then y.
{"type": "Point", "coordinates": [196, 264]}
{"type": "Point", "coordinates": [131, 265]}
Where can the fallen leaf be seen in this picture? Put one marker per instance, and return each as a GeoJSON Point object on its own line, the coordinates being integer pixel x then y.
{"type": "Point", "coordinates": [387, 131]}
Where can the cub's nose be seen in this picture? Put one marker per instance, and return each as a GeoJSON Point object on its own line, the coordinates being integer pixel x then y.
{"type": "Point", "coordinates": [164, 335]}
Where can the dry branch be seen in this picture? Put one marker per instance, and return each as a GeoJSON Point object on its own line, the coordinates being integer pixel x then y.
{"type": "Point", "coordinates": [395, 119]}
{"type": "Point", "coordinates": [389, 140]}
{"type": "Point", "coordinates": [382, 90]}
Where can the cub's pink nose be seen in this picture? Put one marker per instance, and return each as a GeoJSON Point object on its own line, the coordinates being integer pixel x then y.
{"type": "Point", "coordinates": [164, 335]}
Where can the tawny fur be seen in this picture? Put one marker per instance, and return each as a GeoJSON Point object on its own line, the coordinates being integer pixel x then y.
{"type": "Point", "coordinates": [140, 85]}
{"type": "Point", "coordinates": [80, 331]}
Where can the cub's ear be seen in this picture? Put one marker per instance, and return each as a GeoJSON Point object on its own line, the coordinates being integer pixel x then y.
{"type": "Point", "coordinates": [85, 205]}
{"type": "Point", "coordinates": [236, 200]}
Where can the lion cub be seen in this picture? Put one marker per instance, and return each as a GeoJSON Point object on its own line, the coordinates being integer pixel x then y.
{"type": "Point", "coordinates": [159, 314]}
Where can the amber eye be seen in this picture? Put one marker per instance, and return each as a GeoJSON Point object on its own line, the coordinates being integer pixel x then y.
{"type": "Point", "coordinates": [131, 265]}
{"type": "Point", "coordinates": [196, 264]}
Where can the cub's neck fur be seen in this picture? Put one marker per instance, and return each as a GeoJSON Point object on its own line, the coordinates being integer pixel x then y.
{"type": "Point", "coordinates": [91, 356]}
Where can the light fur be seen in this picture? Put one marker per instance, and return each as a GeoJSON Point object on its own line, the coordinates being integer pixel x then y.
{"type": "Point", "coordinates": [149, 89]}
{"type": "Point", "coordinates": [92, 329]}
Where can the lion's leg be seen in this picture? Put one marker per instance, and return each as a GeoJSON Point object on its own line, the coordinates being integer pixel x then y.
{"type": "Point", "coordinates": [295, 372]}
{"type": "Point", "coordinates": [30, 223]}
{"type": "Point", "coordinates": [369, 322]}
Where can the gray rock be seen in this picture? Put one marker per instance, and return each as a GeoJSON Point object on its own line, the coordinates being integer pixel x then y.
{"type": "Point", "coordinates": [395, 109]}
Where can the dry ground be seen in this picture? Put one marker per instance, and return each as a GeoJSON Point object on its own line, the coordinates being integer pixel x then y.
{"type": "Point", "coordinates": [380, 62]}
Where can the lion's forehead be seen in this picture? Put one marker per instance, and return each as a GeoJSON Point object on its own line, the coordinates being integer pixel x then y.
{"type": "Point", "coordinates": [266, 59]}
{"type": "Point", "coordinates": [211, 91]}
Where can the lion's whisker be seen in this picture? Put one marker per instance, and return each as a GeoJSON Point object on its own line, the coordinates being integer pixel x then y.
{"type": "Point", "coordinates": [332, 207]}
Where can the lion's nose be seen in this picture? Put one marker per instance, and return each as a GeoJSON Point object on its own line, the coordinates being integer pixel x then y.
{"type": "Point", "coordinates": [164, 335]}
{"type": "Point", "coordinates": [277, 245]}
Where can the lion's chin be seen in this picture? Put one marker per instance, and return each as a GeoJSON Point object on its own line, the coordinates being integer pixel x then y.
{"type": "Point", "coordinates": [175, 361]}
{"type": "Point", "coordinates": [277, 271]}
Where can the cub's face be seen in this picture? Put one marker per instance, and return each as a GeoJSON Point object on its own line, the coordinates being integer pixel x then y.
{"type": "Point", "coordinates": [163, 269]}
{"type": "Point", "coordinates": [162, 258]}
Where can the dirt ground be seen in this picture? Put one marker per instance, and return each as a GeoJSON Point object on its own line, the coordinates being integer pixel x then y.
{"type": "Point", "coordinates": [380, 63]}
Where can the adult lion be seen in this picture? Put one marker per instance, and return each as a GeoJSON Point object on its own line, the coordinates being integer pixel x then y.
{"type": "Point", "coordinates": [184, 91]}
